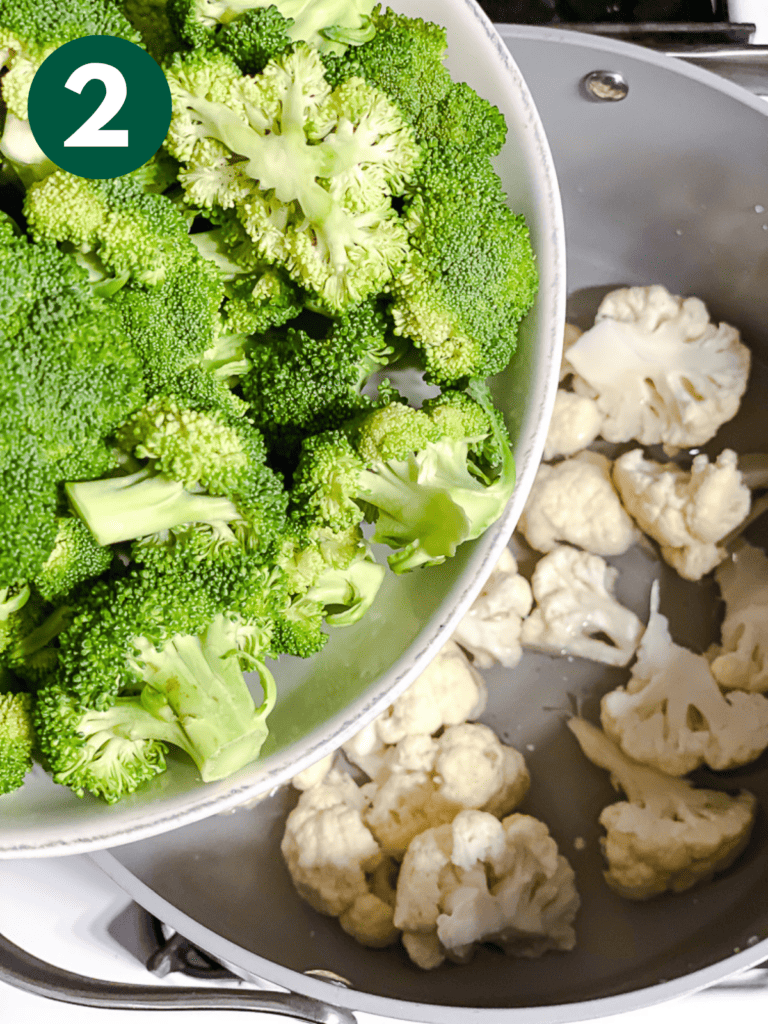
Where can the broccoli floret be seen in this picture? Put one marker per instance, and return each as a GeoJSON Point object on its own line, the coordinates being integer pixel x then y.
{"type": "Point", "coordinates": [199, 469]}
{"type": "Point", "coordinates": [32, 29]}
{"type": "Point", "coordinates": [133, 232]}
{"type": "Point", "coordinates": [258, 295]}
{"type": "Point", "coordinates": [471, 274]}
{"type": "Point", "coordinates": [172, 325]}
{"type": "Point", "coordinates": [404, 58]}
{"type": "Point", "coordinates": [16, 739]}
{"type": "Point", "coordinates": [191, 694]}
{"type": "Point", "coordinates": [309, 377]}
{"type": "Point", "coordinates": [28, 505]}
{"type": "Point", "coordinates": [21, 153]}
{"type": "Point", "coordinates": [310, 172]}
{"type": "Point", "coordinates": [12, 600]}
{"type": "Point", "coordinates": [151, 20]}
{"type": "Point", "coordinates": [75, 557]}
{"type": "Point", "coordinates": [69, 372]}
{"type": "Point", "coordinates": [430, 479]}
{"type": "Point", "coordinates": [32, 654]}
{"type": "Point", "coordinates": [254, 31]}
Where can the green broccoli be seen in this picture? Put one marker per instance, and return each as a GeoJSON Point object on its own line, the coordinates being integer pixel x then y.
{"type": "Point", "coordinates": [30, 30]}
{"type": "Point", "coordinates": [12, 599]}
{"type": "Point", "coordinates": [75, 557]}
{"type": "Point", "coordinates": [309, 377]}
{"type": "Point", "coordinates": [471, 274]}
{"type": "Point", "coordinates": [199, 469]}
{"type": "Point", "coordinates": [331, 576]}
{"type": "Point", "coordinates": [16, 739]}
{"type": "Point", "coordinates": [258, 295]}
{"type": "Point", "coordinates": [254, 31]}
{"type": "Point", "coordinates": [28, 506]}
{"type": "Point", "coordinates": [151, 20]}
{"type": "Point", "coordinates": [155, 657]}
{"type": "Point", "coordinates": [133, 232]}
{"type": "Point", "coordinates": [311, 172]}
{"type": "Point", "coordinates": [430, 479]}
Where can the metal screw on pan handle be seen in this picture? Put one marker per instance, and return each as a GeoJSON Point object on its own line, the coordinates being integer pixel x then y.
{"type": "Point", "coordinates": [26, 972]}
{"type": "Point", "coordinates": [605, 86]}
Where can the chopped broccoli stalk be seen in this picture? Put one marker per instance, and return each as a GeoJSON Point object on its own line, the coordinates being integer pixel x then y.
{"type": "Point", "coordinates": [194, 696]}
{"type": "Point", "coordinates": [16, 739]}
{"type": "Point", "coordinates": [125, 507]}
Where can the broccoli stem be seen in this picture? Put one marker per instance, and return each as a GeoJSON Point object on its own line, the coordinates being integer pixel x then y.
{"type": "Point", "coordinates": [196, 698]}
{"type": "Point", "coordinates": [127, 507]}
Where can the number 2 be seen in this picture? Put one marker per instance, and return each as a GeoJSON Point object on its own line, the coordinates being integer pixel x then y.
{"type": "Point", "coordinates": [92, 132]}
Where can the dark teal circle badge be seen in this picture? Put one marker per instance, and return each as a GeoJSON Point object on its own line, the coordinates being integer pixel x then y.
{"type": "Point", "coordinates": [99, 107]}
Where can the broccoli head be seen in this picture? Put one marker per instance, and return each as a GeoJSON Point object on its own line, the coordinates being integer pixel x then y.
{"type": "Point", "coordinates": [471, 274]}
{"type": "Point", "coordinates": [16, 739]}
{"type": "Point", "coordinates": [430, 479]}
{"type": "Point", "coordinates": [310, 171]}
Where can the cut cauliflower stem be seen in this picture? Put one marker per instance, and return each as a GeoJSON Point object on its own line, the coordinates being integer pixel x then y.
{"type": "Point", "coordinates": [575, 423]}
{"type": "Point", "coordinates": [333, 860]}
{"type": "Point", "coordinates": [449, 691]}
{"type": "Point", "coordinates": [490, 631]}
{"type": "Point", "coordinates": [423, 782]}
{"type": "Point", "coordinates": [741, 662]}
{"type": "Point", "coordinates": [575, 502]}
{"type": "Point", "coordinates": [666, 835]}
{"type": "Point", "coordinates": [673, 715]}
{"type": "Point", "coordinates": [687, 513]}
{"type": "Point", "coordinates": [483, 880]}
{"type": "Point", "coordinates": [575, 606]}
{"type": "Point", "coordinates": [309, 171]}
{"type": "Point", "coordinates": [658, 369]}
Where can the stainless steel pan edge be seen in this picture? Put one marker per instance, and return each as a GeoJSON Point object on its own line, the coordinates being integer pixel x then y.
{"type": "Point", "coordinates": [705, 170]}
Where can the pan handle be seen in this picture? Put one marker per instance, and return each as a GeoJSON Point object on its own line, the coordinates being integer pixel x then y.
{"type": "Point", "coordinates": [26, 972]}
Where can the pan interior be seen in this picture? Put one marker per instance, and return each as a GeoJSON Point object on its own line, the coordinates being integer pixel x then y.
{"type": "Point", "coordinates": [666, 186]}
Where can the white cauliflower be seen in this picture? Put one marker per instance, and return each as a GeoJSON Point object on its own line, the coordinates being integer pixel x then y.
{"type": "Point", "coordinates": [571, 335]}
{"type": "Point", "coordinates": [425, 782]}
{"type": "Point", "coordinates": [673, 715]}
{"type": "Point", "coordinates": [575, 423]}
{"type": "Point", "coordinates": [687, 513]}
{"type": "Point", "coordinates": [741, 662]}
{"type": "Point", "coordinates": [314, 774]}
{"type": "Point", "coordinates": [447, 692]}
{"type": "Point", "coordinates": [576, 612]}
{"type": "Point", "coordinates": [576, 503]}
{"type": "Point", "coordinates": [658, 369]}
{"type": "Point", "coordinates": [478, 879]}
{"type": "Point", "coordinates": [666, 835]}
{"type": "Point", "coordinates": [490, 631]}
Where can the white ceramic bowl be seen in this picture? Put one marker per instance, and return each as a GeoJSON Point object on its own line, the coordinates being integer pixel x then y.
{"type": "Point", "coordinates": [324, 701]}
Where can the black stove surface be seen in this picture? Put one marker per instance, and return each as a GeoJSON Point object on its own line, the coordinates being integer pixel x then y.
{"type": "Point", "coordinates": [553, 12]}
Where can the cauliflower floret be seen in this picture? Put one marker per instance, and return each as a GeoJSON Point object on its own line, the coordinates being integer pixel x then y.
{"type": "Point", "coordinates": [314, 774]}
{"type": "Point", "coordinates": [687, 513]}
{"type": "Point", "coordinates": [571, 335]}
{"type": "Point", "coordinates": [741, 663]}
{"type": "Point", "coordinates": [673, 715]}
{"type": "Point", "coordinates": [483, 880]}
{"type": "Point", "coordinates": [425, 782]}
{"type": "Point", "coordinates": [447, 692]}
{"type": "Point", "coordinates": [667, 835]}
{"type": "Point", "coordinates": [575, 423]}
{"type": "Point", "coordinates": [326, 846]}
{"type": "Point", "coordinates": [659, 370]}
{"type": "Point", "coordinates": [575, 606]}
{"type": "Point", "coordinates": [490, 631]}
{"type": "Point", "coordinates": [575, 502]}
